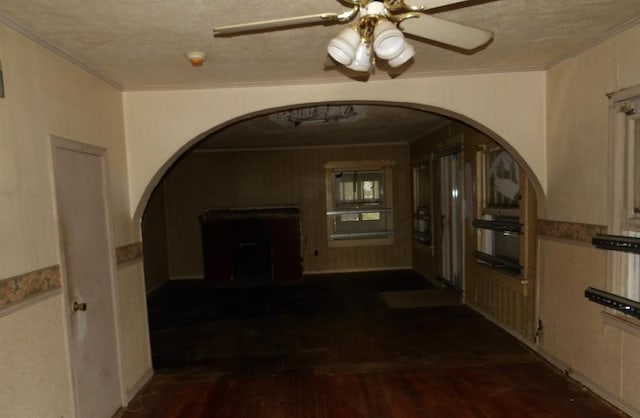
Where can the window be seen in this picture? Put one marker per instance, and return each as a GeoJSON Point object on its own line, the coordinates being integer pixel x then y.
{"type": "Point", "coordinates": [498, 224]}
{"type": "Point", "coordinates": [422, 203]}
{"type": "Point", "coordinates": [501, 189]}
{"type": "Point", "coordinates": [359, 206]}
{"type": "Point", "coordinates": [624, 272]}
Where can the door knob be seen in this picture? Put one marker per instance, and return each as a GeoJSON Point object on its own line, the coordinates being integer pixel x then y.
{"type": "Point", "coordinates": [79, 306]}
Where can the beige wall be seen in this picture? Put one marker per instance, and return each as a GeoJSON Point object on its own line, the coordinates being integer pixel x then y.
{"type": "Point", "coordinates": [159, 124]}
{"type": "Point", "coordinates": [218, 180]}
{"type": "Point", "coordinates": [46, 96]}
{"type": "Point", "coordinates": [555, 120]}
{"type": "Point", "coordinates": [575, 333]}
{"type": "Point", "coordinates": [154, 230]}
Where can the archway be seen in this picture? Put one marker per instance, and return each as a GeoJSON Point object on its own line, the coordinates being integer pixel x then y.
{"type": "Point", "coordinates": [161, 125]}
{"type": "Point", "coordinates": [315, 247]}
{"type": "Point", "coordinates": [191, 142]}
{"type": "Point", "coordinates": [232, 171]}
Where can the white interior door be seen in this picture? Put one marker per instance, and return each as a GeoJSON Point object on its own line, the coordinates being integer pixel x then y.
{"type": "Point", "coordinates": [85, 240]}
{"type": "Point", "coordinates": [451, 212]}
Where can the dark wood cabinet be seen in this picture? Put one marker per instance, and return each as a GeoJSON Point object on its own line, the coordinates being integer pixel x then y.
{"type": "Point", "coordinates": [251, 245]}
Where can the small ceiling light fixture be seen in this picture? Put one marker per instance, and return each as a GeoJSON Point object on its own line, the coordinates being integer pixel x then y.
{"type": "Point", "coordinates": [196, 58]}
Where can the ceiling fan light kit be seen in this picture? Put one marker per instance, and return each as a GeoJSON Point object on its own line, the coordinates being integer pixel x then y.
{"type": "Point", "coordinates": [343, 47]}
{"type": "Point", "coordinates": [379, 31]}
{"type": "Point", "coordinates": [362, 60]}
{"type": "Point", "coordinates": [403, 57]}
{"type": "Point", "coordinates": [375, 32]}
{"type": "Point", "coordinates": [388, 40]}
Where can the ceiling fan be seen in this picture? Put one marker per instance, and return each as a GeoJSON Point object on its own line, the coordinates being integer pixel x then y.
{"type": "Point", "coordinates": [378, 30]}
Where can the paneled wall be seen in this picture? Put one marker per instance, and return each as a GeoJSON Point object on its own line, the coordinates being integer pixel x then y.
{"type": "Point", "coordinates": [506, 298]}
{"type": "Point", "coordinates": [509, 299]}
{"type": "Point", "coordinates": [240, 179]}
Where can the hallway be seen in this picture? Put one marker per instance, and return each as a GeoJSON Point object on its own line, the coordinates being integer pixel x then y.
{"type": "Point", "coordinates": [380, 344]}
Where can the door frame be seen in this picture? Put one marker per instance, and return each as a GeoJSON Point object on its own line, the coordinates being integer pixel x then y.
{"type": "Point", "coordinates": [58, 142]}
{"type": "Point", "coordinates": [457, 148]}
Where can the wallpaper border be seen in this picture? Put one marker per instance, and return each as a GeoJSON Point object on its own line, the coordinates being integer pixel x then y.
{"type": "Point", "coordinates": [22, 288]}
{"type": "Point", "coordinates": [128, 253]}
{"type": "Point", "coordinates": [569, 230]}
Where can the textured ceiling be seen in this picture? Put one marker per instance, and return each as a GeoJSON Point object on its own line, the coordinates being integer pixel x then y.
{"type": "Point", "coordinates": [140, 44]}
{"type": "Point", "coordinates": [369, 124]}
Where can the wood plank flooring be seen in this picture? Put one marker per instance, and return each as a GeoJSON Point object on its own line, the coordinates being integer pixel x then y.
{"type": "Point", "coordinates": [332, 348]}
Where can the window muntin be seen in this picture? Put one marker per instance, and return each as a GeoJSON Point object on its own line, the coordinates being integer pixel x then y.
{"type": "Point", "coordinates": [359, 207]}
{"type": "Point", "coordinates": [358, 188]}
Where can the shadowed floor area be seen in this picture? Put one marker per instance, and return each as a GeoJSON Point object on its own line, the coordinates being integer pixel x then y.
{"type": "Point", "coordinates": [381, 344]}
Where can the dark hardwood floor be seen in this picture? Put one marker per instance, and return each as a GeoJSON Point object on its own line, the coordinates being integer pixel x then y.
{"type": "Point", "coordinates": [384, 344]}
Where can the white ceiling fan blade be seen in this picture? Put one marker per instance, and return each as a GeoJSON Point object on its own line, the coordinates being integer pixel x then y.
{"type": "Point", "coordinates": [277, 23]}
{"type": "Point", "coordinates": [446, 32]}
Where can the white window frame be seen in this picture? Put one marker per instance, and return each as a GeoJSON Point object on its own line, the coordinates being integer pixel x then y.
{"type": "Point", "coordinates": [487, 239]}
{"type": "Point", "coordinates": [384, 237]}
{"type": "Point", "coordinates": [423, 211]}
{"type": "Point", "coordinates": [623, 275]}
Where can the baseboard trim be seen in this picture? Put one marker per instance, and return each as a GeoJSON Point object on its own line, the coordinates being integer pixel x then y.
{"type": "Point", "coordinates": [605, 394]}
{"type": "Point", "coordinates": [596, 388]}
{"type": "Point", "coordinates": [515, 334]}
{"type": "Point", "coordinates": [137, 387]}
{"type": "Point", "coordinates": [600, 391]}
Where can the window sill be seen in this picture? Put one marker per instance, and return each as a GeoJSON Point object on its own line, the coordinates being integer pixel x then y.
{"type": "Point", "coordinates": [509, 266]}
{"type": "Point", "coordinates": [621, 321]}
{"type": "Point", "coordinates": [342, 243]}
{"type": "Point", "coordinates": [510, 280]}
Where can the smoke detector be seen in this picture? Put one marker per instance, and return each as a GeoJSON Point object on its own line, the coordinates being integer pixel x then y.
{"type": "Point", "coordinates": [196, 58]}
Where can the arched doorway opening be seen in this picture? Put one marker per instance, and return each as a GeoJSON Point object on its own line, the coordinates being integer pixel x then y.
{"type": "Point", "coordinates": [436, 167]}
